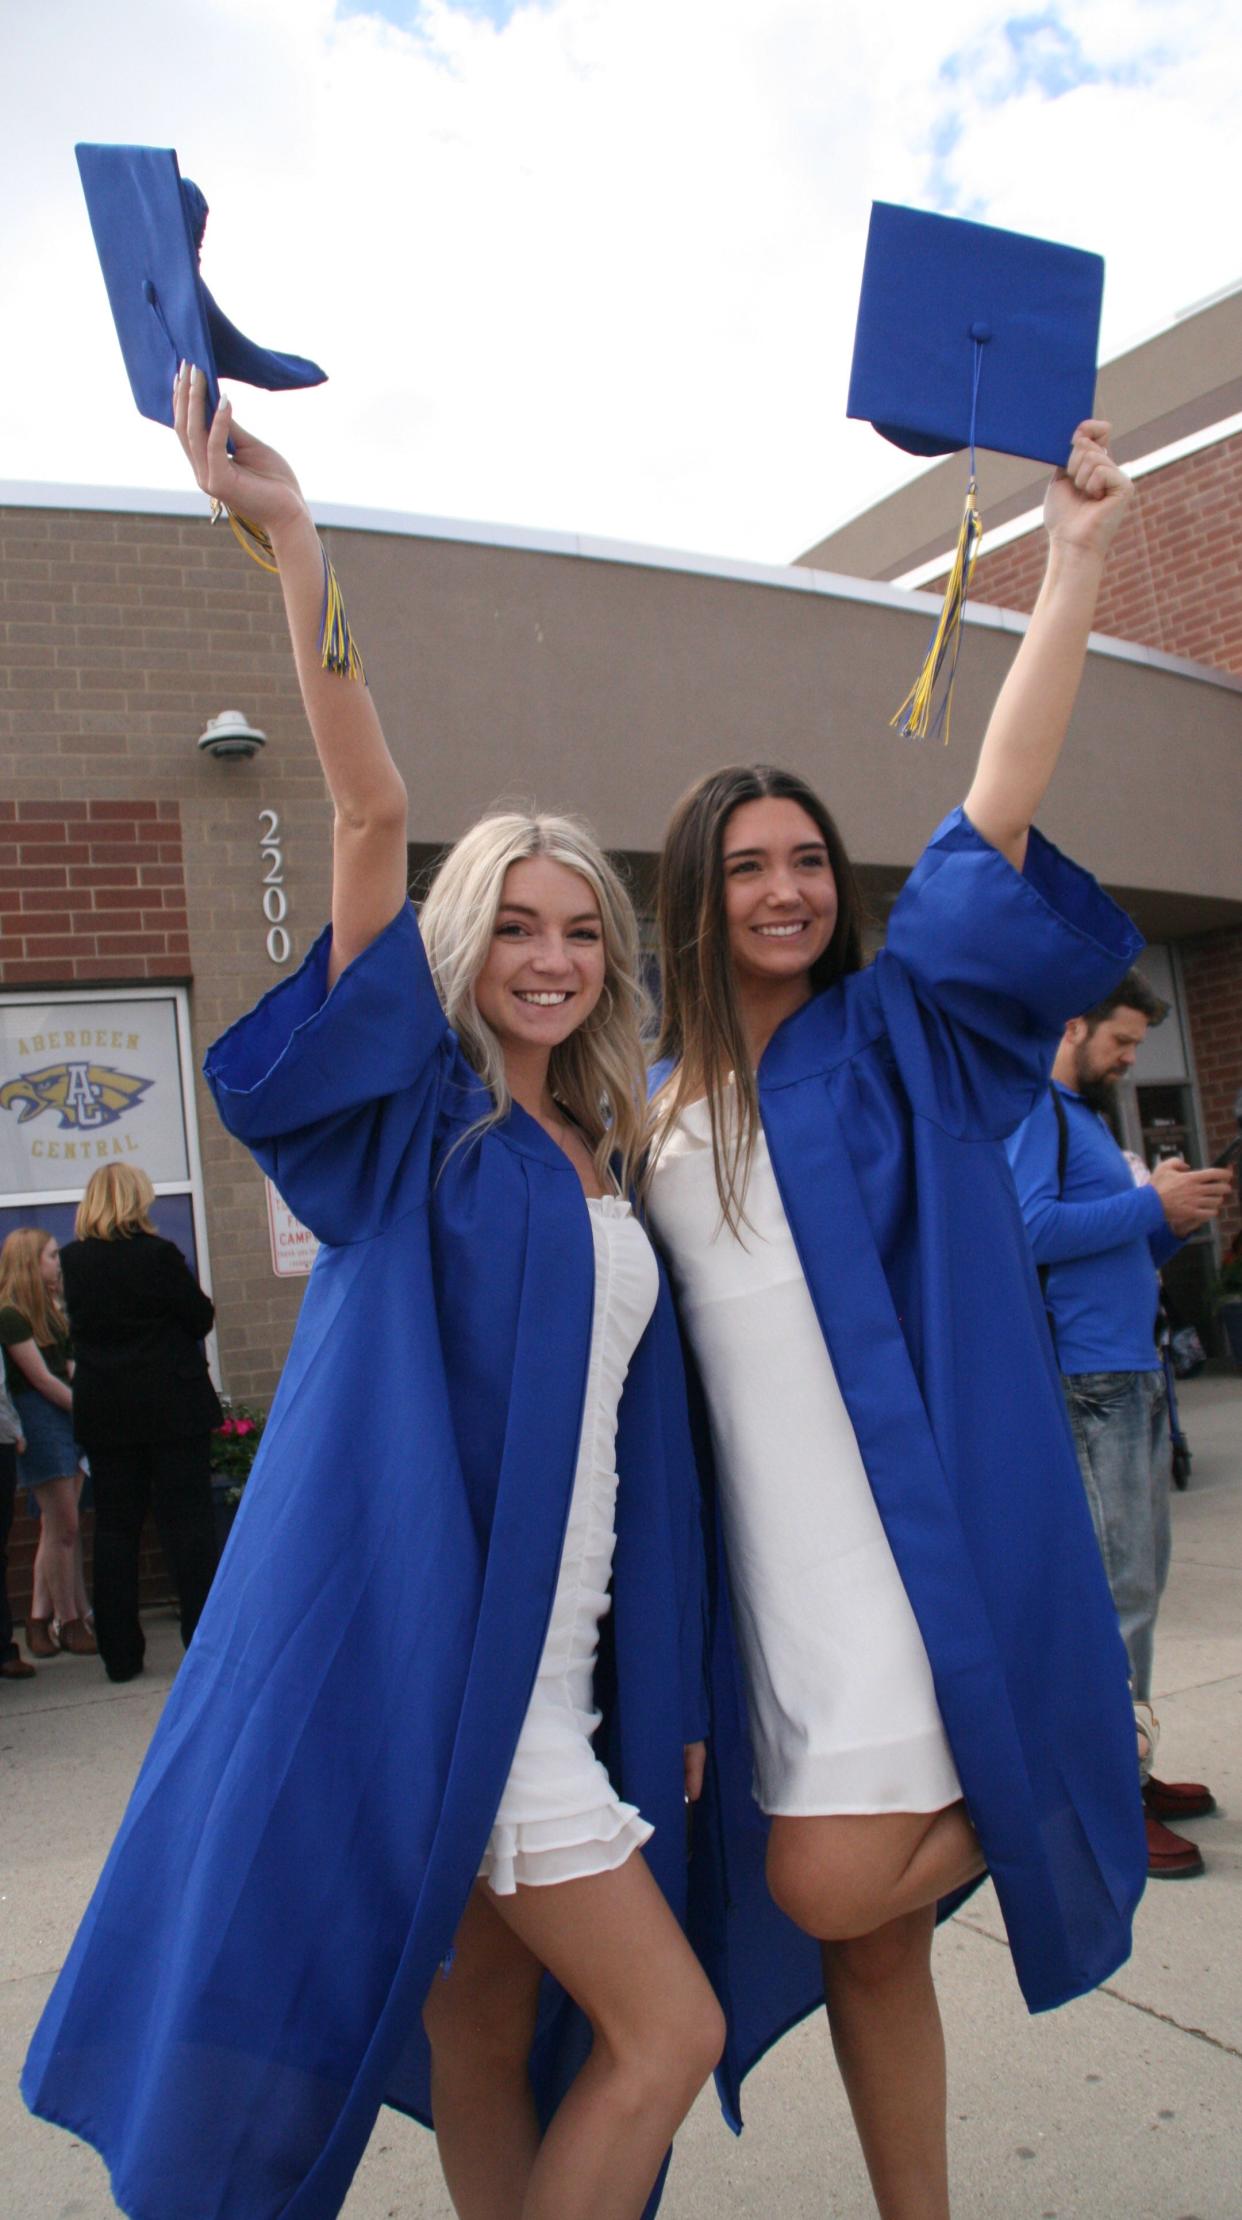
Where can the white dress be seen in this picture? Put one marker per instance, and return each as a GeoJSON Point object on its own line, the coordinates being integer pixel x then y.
{"type": "Point", "coordinates": [560, 1817]}
{"type": "Point", "coordinates": [843, 1715]}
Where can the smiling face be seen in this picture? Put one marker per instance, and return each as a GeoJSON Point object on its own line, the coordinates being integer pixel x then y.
{"type": "Point", "coordinates": [544, 971]}
{"type": "Point", "coordinates": [780, 897]}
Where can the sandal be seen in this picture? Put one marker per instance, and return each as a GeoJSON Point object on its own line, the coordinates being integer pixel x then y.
{"type": "Point", "coordinates": [39, 1638]}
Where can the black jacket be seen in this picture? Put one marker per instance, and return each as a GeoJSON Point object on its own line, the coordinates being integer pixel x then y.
{"type": "Point", "coordinates": [138, 1316]}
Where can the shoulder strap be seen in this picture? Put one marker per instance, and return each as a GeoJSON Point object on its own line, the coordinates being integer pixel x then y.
{"type": "Point", "coordinates": [1062, 1136]}
{"type": "Point", "coordinates": [1058, 1111]}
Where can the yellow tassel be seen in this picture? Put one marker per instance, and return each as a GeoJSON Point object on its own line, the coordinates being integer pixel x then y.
{"type": "Point", "coordinates": [915, 717]}
{"type": "Point", "coordinates": [336, 642]}
{"type": "Point", "coordinates": [250, 536]}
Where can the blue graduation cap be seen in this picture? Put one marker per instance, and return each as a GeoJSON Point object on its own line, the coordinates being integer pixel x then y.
{"type": "Point", "coordinates": [969, 336]}
{"type": "Point", "coordinates": [148, 223]}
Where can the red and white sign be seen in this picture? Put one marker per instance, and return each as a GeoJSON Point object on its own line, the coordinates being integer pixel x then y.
{"type": "Point", "coordinates": [294, 1247]}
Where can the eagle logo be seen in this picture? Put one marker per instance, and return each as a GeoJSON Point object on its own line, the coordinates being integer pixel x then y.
{"type": "Point", "coordinates": [86, 1096]}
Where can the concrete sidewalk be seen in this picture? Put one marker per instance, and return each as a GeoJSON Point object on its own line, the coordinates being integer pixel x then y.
{"type": "Point", "coordinates": [1124, 2106]}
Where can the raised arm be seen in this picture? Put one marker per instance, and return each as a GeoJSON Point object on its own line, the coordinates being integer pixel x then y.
{"type": "Point", "coordinates": [1085, 504]}
{"type": "Point", "coordinates": [368, 793]}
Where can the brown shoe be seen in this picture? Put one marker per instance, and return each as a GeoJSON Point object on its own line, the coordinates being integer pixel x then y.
{"type": "Point", "coordinates": [16, 1668]}
{"type": "Point", "coordinates": [1171, 1857]}
{"type": "Point", "coordinates": [1178, 1799]}
{"type": "Point", "coordinates": [75, 1636]}
{"type": "Point", "coordinates": [39, 1638]}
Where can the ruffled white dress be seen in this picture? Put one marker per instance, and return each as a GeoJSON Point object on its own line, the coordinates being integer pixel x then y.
{"type": "Point", "coordinates": [843, 1714]}
{"type": "Point", "coordinates": [560, 1817]}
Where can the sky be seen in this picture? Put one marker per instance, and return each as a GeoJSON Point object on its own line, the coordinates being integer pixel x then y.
{"type": "Point", "coordinates": [588, 265]}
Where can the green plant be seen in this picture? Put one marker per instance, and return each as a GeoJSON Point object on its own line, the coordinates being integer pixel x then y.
{"type": "Point", "coordinates": [235, 1445]}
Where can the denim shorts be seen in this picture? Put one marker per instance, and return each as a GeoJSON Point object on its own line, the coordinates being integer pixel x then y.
{"type": "Point", "coordinates": [51, 1452]}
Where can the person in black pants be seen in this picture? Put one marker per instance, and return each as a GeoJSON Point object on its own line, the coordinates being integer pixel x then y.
{"type": "Point", "coordinates": [143, 1405]}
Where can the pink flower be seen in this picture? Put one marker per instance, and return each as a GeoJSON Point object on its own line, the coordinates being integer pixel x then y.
{"type": "Point", "coordinates": [244, 1426]}
{"type": "Point", "coordinates": [230, 1426]}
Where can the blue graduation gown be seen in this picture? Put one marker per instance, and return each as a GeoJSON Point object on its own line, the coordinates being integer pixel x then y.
{"type": "Point", "coordinates": [245, 1989]}
{"type": "Point", "coordinates": [884, 1102]}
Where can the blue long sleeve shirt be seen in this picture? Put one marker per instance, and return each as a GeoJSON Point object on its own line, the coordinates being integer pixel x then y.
{"type": "Point", "coordinates": [1102, 1239]}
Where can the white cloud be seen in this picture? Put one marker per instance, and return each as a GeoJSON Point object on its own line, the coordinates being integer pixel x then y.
{"type": "Point", "coordinates": [595, 268]}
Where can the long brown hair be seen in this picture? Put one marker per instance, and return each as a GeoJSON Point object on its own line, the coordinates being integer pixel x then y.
{"type": "Point", "coordinates": [21, 1284]}
{"type": "Point", "coordinates": [701, 1031]}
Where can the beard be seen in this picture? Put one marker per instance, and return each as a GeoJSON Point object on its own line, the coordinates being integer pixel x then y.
{"type": "Point", "coordinates": [1099, 1094]}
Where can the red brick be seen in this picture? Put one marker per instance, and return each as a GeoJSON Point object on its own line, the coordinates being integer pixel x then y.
{"type": "Point", "coordinates": [56, 899]}
{"type": "Point", "coordinates": [25, 874]}
{"type": "Point", "coordinates": [130, 944]}
{"type": "Point", "coordinates": [122, 811]}
{"type": "Point", "coordinates": [63, 946]}
{"type": "Point", "coordinates": [28, 811]}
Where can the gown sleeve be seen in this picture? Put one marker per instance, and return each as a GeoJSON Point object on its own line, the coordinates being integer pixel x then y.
{"type": "Point", "coordinates": [982, 968]}
{"type": "Point", "coordinates": [335, 1093]}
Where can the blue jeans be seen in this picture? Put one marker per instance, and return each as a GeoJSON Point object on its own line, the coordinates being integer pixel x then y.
{"type": "Point", "coordinates": [1121, 1433]}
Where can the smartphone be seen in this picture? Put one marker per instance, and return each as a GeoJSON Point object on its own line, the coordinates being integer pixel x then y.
{"type": "Point", "coordinates": [1228, 1156]}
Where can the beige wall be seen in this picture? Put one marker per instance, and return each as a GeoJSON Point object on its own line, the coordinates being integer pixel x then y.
{"type": "Point", "coordinates": [607, 687]}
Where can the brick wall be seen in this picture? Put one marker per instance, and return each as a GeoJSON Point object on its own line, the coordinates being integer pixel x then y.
{"type": "Point", "coordinates": [1212, 972]}
{"type": "Point", "coordinates": [1174, 579]}
{"type": "Point", "coordinates": [92, 890]}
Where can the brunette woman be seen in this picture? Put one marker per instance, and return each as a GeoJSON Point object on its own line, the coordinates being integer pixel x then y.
{"type": "Point", "coordinates": [934, 1679]}
{"type": "Point", "coordinates": [143, 1405]}
{"type": "Point", "coordinates": [38, 1358]}
{"type": "Point", "coordinates": [372, 1822]}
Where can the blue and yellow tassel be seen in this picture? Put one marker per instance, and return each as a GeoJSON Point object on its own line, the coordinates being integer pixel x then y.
{"type": "Point", "coordinates": [921, 713]}
{"type": "Point", "coordinates": [337, 650]}
{"type": "Point", "coordinates": [336, 641]}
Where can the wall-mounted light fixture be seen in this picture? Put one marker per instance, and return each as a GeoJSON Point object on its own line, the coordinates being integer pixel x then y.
{"type": "Point", "coordinates": [231, 734]}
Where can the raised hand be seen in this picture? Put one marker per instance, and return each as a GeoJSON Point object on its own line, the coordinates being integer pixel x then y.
{"type": "Point", "coordinates": [1087, 500]}
{"type": "Point", "coordinates": [254, 481]}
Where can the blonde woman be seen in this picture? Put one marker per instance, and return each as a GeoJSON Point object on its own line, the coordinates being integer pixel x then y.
{"type": "Point", "coordinates": [384, 1848]}
{"type": "Point", "coordinates": [143, 1405]}
{"type": "Point", "coordinates": [38, 1362]}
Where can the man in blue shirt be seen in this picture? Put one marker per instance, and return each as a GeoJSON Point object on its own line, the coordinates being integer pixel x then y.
{"type": "Point", "coordinates": [1099, 1239]}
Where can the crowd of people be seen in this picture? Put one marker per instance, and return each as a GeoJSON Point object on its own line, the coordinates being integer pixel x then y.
{"type": "Point", "coordinates": [690, 1484]}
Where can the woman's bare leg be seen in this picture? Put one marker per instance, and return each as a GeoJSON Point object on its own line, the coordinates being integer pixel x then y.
{"type": "Point", "coordinates": [82, 1601]}
{"type": "Point", "coordinates": [886, 2032]}
{"type": "Point", "coordinates": [849, 1874]}
{"type": "Point", "coordinates": [614, 1945]}
{"type": "Point", "coordinates": [56, 1557]}
{"type": "Point", "coordinates": [480, 2017]}
{"type": "Point", "coordinates": [866, 1886]}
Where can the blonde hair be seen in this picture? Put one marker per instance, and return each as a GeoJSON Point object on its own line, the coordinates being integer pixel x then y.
{"type": "Point", "coordinates": [22, 1285]}
{"type": "Point", "coordinates": [598, 1073]}
{"type": "Point", "coordinates": [117, 1201]}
